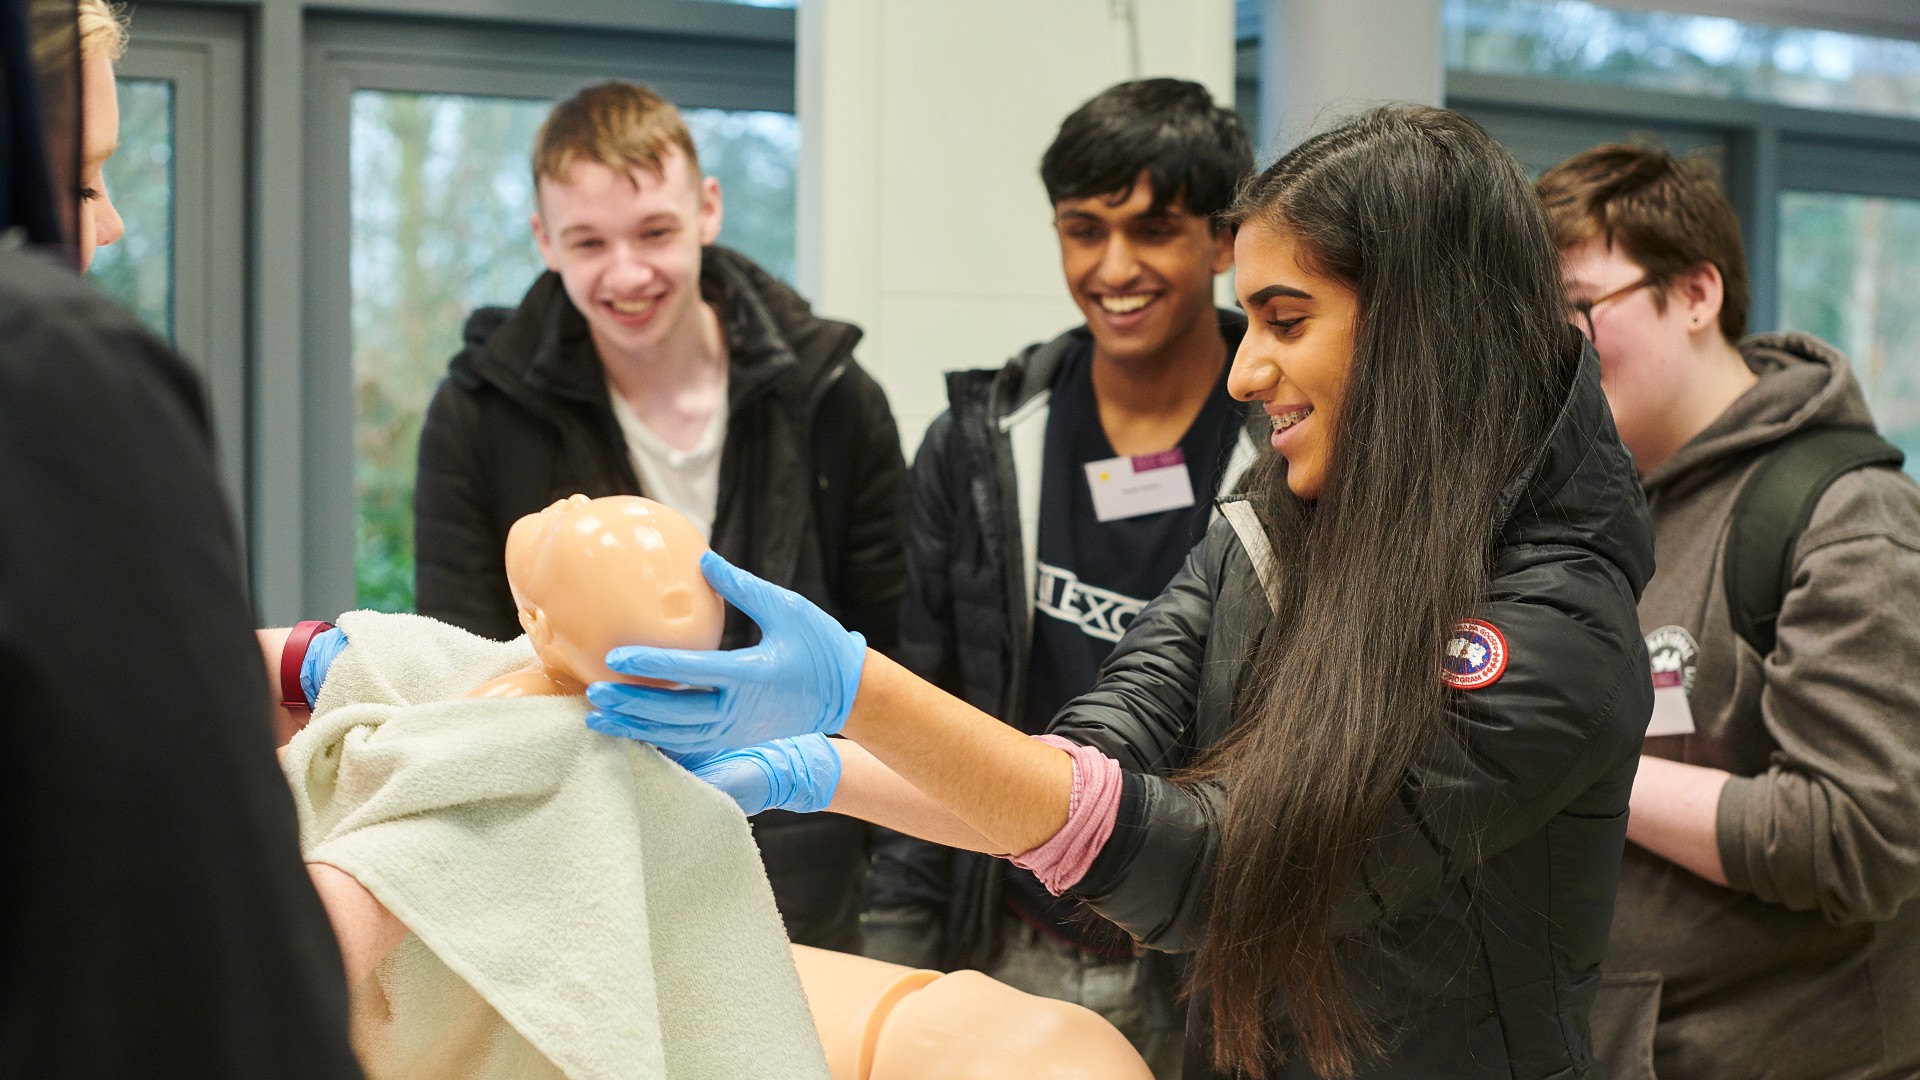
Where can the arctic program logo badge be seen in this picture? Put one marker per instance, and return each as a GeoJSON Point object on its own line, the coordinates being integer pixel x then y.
{"type": "Point", "coordinates": [1476, 655]}
{"type": "Point", "coordinates": [1674, 656]}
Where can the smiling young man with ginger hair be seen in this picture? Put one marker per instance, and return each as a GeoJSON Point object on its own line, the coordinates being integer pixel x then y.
{"type": "Point", "coordinates": [650, 361]}
{"type": "Point", "coordinates": [1766, 922]}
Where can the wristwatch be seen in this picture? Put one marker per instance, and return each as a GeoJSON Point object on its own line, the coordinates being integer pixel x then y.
{"type": "Point", "coordinates": [293, 656]}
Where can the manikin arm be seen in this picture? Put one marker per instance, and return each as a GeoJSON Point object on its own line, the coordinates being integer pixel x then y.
{"type": "Point", "coordinates": [880, 1021]}
{"type": "Point", "coordinates": [366, 930]}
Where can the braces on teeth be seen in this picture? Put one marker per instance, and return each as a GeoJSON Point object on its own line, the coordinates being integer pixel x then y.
{"type": "Point", "coordinates": [1286, 420]}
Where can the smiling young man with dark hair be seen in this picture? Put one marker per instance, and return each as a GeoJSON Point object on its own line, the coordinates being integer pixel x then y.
{"type": "Point", "coordinates": [1054, 498]}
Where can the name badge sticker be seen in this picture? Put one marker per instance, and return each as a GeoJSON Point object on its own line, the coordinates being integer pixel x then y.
{"type": "Point", "coordinates": [1672, 712]}
{"type": "Point", "coordinates": [1673, 655]}
{"type": "Point", "coordinates": [1128, 487]}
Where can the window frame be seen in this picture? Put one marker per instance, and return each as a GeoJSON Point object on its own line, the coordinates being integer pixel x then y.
{"type": "Point", "coordinates": [202, 54]}
{"type": "Point", "coordinates": [282, 397]}
{"type": "Point", "coordinates": [345, 56]}
{"type": "Point", "coordinates": [1769, 148]}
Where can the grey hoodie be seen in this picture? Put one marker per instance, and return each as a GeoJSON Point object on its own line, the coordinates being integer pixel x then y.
{"type": "Point", "coordinates": [1808, 965]}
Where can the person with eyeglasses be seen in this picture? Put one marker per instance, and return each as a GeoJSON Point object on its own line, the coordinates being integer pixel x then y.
{"type": "Point", "coordinates": [1764, 925]}
{"type": "Point", "coordinates": [1582, 307]}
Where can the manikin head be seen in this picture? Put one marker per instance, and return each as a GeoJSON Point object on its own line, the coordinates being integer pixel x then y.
{"type": "Point", "coordinates": [622, 215]}
{"type": "Point", "coordinates": [1135, 176]}
{"type": "Point", "coordinates": [589, 575]}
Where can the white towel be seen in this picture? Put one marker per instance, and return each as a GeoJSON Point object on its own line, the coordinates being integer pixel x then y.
{"type": "Point", "coordinates": [579, 905]}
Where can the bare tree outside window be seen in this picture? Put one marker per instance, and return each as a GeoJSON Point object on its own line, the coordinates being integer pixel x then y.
{"type": "Point", "coordinates": [1684, 54]}
{"type": "Point", "coordinates": [1850, 273]}
{"type": "Point", "coordinates": [138, 271]}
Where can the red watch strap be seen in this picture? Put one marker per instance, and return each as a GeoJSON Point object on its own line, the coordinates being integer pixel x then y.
{"type": "Point", "coordinates": [292, 656]}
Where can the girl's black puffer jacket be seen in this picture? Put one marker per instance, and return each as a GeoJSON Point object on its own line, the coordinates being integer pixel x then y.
{"type": "Point", "coordinates": [1493, 883]}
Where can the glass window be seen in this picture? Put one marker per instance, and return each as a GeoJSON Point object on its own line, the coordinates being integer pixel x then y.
{"type": "Point", "coordinates": [1850, 273]}
{"type": "Point", "coordinates": [138, 271]}
{"type": "Point", "coordinates": [441, 195]}
{"type": "Point", "coordinates": [1689, 54]}
{"type": "Point", "coordinates": [756, 157]}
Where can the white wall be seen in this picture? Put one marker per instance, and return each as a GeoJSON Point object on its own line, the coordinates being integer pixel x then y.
{"type": "Point", "coordinates": [1320, 59]}
{"type": "Point", "coordinates": [921, 214]}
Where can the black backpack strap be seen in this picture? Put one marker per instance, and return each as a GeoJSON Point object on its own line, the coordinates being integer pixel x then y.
{"type": "Point", "coordinates": [1773, 509]}
{"type": "Point", "coordinates": [835, 424]}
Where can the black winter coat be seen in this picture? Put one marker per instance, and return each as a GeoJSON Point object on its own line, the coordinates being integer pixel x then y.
{"type": "Point", "coordinates": [966, 623]}
{"type": "Point", "coordinates": [1493, 883]}
{"type": "Point", "coordinates": [812, 498]}
{"type": "Point", "coordinates": [155, 918]}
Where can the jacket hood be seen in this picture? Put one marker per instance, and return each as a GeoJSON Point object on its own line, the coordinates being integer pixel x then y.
{"type": "Point", "coordinates": [543, 349]}
{"type": "Point", "coordinates": [1804, 383]}
{"type": "Point", "coordinates": [1580, 486]}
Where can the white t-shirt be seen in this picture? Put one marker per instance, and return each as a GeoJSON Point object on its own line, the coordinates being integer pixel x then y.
{"type": "Point", "coordinates": [687, 480]}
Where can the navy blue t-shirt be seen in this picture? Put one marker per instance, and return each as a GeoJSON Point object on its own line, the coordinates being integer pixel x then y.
{"type": "Point", "coordinates": [1093, 577]}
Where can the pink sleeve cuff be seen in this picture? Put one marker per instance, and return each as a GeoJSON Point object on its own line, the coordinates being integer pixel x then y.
{"type": "Point", "coordinates": [1092, 809]}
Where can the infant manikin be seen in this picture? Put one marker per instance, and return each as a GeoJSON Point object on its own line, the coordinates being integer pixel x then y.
{"type": "Point", "coordinates": [518, 897]}
{"type": "Point", "coordinates": [589, 575]}
{"type": "Point", "coordinates": [877, 1021]}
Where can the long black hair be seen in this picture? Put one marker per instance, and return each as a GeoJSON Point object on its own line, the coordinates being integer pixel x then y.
{"type": "Point", "coordinates": [1461, 357]}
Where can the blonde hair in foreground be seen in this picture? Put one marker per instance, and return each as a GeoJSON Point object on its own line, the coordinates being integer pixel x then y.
{"type": "Point", "coordinates": [103, 29]}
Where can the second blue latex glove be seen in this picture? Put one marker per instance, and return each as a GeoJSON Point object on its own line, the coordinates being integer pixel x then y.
{"type": "Point", "coordinates": [800, 774]}
{"type": "Point", "coordinates": [799, 680]}
{"type": "Point", "coordinates": [322, 651]}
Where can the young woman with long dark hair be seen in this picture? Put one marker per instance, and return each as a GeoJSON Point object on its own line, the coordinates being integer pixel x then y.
{"type": "Point", "coordinates": [1369, 755]}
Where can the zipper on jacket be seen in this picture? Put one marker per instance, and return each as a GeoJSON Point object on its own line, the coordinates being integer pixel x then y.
{"type": "Point", "coordinates": [984, 936]}
{"type": "Point", "coordinates": [1001, 444]}
{"type": "Point", "coordinates": [826, 384]}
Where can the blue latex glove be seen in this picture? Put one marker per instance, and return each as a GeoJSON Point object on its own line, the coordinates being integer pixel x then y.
{"type": "Point", "coordinates": [787, 774]}
{"type": "Point", "coordinates": [321, 652]}
{"type": "Point", "coordinates": [800, 679]}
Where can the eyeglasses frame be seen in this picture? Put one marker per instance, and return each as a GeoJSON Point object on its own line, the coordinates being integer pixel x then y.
{"type": "Point", "coordinates": [1584, 308]}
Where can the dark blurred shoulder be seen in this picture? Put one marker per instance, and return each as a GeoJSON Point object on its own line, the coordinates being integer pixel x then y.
{"type": "Point", "coordinates": [56, 329]}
